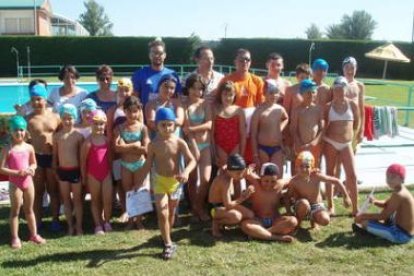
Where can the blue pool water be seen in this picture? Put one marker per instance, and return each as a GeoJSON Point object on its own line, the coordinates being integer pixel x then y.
{"type": "Point", "coordinates": [11, 94]}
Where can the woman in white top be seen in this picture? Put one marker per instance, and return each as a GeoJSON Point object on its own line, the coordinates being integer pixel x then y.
{"type": "Point", "coordinates": [342, 119]}
{"type": "Point", "coordinates": [69, 92]}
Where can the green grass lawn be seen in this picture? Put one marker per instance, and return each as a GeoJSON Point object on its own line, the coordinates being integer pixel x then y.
{"type": "Point", "coordinates": [332, 250]}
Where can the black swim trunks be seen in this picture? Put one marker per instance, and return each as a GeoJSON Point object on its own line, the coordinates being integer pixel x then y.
{"type": "Point", "coordinates": [71, 175]}
{"type": "Point", "coordinates": [44, 161]}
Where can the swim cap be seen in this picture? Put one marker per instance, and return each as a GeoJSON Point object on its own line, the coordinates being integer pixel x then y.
{"type": "Point", "coordinates": [340, 82]}
{"type": "Point", "coordinates": [125, 82]}
{"type": "Point", "coordinates": [305, 158]}
{"type": "Point", "coordinates": [38, 90]}
{"type": "Point", "coordinates": [349, 60]}
{"type": "Point", "coordinates": [320, 64]}
{"type": "Point", "coordinates": [17, 122]}
{"type": "Point", "coordinates": [271, 86]}
{"type": "Point", "coordinates": [235, 162]}
{"type": "Point", "coordinates": [88, 104]}
{"type": "Point", "coordinates": [397, 169]}
{"type": "Point", "coordinates": [164, 114]}
{"type": "Point", "coordinates": [164, 78]}
{"type": "Point", "coordinates": [307, 86]}
{"type": "Point", "coordinates": [269, 169]}
{"type": "Point", "coordinates": [98, 115]}
{"type": "Point", "coordinates": [69, 109]}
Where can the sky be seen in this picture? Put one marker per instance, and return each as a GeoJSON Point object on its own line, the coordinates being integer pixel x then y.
{"type": "Point", "coordinates": [243, 19]}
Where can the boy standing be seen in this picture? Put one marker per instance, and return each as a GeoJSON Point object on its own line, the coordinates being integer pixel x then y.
{"type": "Point", "coordinates": [308, 122]}
{"type": "Point", "coordinates": [398, 209]}
{"type": "Point", "coordinates": [165, 151]}
{"type": "Point", "coordinates": [42, 123]}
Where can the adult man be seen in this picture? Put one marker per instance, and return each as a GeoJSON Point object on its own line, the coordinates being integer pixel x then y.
{"type": "Point", "coordinates": [145, 80]}
{"type": "Point", "coordinates": [274, 65]}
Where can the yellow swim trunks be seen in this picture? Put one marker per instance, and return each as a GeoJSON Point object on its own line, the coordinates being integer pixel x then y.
{"type": "Point", "coordinates": [165, 184]}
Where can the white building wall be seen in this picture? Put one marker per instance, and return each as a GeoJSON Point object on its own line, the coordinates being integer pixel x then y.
{"type": "Point", "coordinates": [22, 20]}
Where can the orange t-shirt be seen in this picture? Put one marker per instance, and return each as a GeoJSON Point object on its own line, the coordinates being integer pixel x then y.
{"type": "Point", "coordinates": [249, 89]}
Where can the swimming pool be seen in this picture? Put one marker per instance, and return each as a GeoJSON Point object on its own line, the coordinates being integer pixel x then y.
{"type": "Point", "coordinates": [17, 93]}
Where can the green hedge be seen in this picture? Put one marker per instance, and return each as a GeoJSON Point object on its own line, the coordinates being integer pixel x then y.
{"type": "Point", "coordinates": [133, 50]}
{"type": "Point", "coordinates": [296, 51]}
{"type": "Point", "coordinates": [87, 50]}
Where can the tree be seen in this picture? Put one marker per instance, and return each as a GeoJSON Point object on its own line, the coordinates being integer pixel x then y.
{"type": "Point", "coordinates": [313, 32]}
{"type": "Point", "coordinates": [359, 25]}
{"type": "Point", "coordinates": [95, 20]}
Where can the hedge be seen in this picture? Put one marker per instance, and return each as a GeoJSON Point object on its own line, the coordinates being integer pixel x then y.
{"type": "Point", "coordinates": [133, 50]}
{"type": "Point", "coordinates": [87, 51]}
{"type": "Point", "coordinates": [296, 51]}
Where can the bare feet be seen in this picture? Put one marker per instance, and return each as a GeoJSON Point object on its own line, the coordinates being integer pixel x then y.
{"type": "Point", "coordinates": [123, 218]}
{"type": "Point", "coordinates": [283, 238]}
{"type": "Point", "coordinates": [204, 217]}
{"type": "Point", "coordinates": [331, 211]}
{"type": "Point", "coordinates": [215, 230]}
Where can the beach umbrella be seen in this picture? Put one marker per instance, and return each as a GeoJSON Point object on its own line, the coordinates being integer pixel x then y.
{"type": "Point", "coordinates": [387, 53]}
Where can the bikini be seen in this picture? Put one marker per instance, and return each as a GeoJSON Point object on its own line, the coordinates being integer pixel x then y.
{"type": "Point", "coordinates": [227, 134]}
{"type": "Point", "coordinates": [19, 160]}
{"type": "Point", "coordinates": [97, 161]}
{"type": "Point", "coordinates": [131, 137]}
{"type": "Point", "coordinates": [335, 116]}
{"type": "Point", "coordinates": [198, 119]}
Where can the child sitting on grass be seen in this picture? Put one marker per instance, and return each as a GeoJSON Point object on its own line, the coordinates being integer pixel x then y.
{"type": "Point", "coordinates": [398, 211]}
{"type": "Point", "coordinates": [19, 163]}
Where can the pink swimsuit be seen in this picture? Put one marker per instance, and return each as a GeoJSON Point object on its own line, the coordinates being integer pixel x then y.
{"type": "Point", "coordinates": [19, 160]}
{"type": "Point", "coordinates": [97, 164]}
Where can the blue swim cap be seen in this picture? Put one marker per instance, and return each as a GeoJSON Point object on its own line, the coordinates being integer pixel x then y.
{"type": "Point", "coordinates": [165, 114]}
{"type": "Point", "coordinates": [69, 109]}
{"type": "Point", "coordinates": [320, 64]}
{"type": "Point", "coordinates": [17, 122]}
{"type": "Point", "coordinates": [164, 78]}
{"type": "Point", "coordinates": [88, 104]}
{"type": "Point", "coordinates": [38, 90]}
{"type": "Point", "coordinates": [307, 86]}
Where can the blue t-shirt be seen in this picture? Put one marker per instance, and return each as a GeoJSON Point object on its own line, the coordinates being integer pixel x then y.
{"type": "Point", "coordinates": [146, 81]}
{"type": "Point", "coordinates": [105, 106]}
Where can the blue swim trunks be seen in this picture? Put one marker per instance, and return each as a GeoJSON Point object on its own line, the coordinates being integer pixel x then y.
{"type": "Point", "coordinates": [390, 232]}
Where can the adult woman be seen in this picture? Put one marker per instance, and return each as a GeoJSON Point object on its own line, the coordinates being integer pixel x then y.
{"type": "Point", "coordinates": [104, 97]}
{"type": "Point", "coordinates": [69, 92]}
{"type": "Point", "coordinates": [342, 119]}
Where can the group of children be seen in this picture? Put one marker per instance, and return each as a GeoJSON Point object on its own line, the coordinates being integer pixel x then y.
{"type": "Point", "coordinates": [180, 141]}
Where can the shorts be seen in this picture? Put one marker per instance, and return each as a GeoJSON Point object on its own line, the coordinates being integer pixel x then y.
{"type": "Point", "coordinates": [167, 185]}
{"type": "Point", "coordinates": [44, 161]}
{"type": "Point", "coordinates": [314, 208]}
{"type": "Point", "coordinates": [266, 222]}
{"type": "Point", "coordinates": [390, 232]}
{"type": "Point", "coordinates": [71, 175]}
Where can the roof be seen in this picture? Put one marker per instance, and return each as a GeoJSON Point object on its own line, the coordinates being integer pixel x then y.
{"type": "Point", "coordinates": [20, 4]}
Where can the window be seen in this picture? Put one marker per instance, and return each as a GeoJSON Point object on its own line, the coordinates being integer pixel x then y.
{"type": "Point", "coordinates": [26, 25]}
{"type": "Point", "coordinates": [11, 25]}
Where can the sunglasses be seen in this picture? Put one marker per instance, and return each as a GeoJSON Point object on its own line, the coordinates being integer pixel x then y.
{"type": "Point", "coordinates": [103, 78]}
{"type": "Point", "coordinates": [244, 59]}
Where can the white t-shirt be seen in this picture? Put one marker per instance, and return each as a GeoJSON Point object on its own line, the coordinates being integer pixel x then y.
{"type": "Point", "coordinates": [212, 84]}
{"type": "Point", "coordinates": [56, 100]}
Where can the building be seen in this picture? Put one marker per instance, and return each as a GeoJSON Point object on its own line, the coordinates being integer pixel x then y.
{"type": "Point", "coordinates": [35, 17]}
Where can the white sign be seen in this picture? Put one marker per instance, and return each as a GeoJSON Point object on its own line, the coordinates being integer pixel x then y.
{"type": "Point", "coordinates": [138, 202]}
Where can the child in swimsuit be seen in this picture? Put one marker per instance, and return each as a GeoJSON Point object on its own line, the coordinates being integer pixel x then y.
{"type": "Point", "coordinates": [86, 108]}
{"type": "Point", "coordinates": [229, 125]}
{"type": "Point", "coordinates": [116, 116]}
{"type": "Point", "coordinates": [131, 141]}
{"type": "Point", "coordinates": [164, 152]}
{"type": "Point", "coordinates": [66, 150]}
{"type": "Point", "coordinates": [19, 163]}
{"type": "Point", "coordinates": [197, 128]}
{"type": "Point", "coordinates": [96, 170]}
{"type": "Point", "coordinates": [308, 122]}
{"type": "Point", "coordinates": [304, 191]}
{"type": "Point", "coordinates": [342, 118]}
{"type": "Point", "coordinates": [4, 141]}
{"type": "Point", "coordinates": [268, 122]}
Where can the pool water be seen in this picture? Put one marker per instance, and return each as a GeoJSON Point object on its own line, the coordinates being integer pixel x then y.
{"type": "Point", "coordinates": [11, 94]}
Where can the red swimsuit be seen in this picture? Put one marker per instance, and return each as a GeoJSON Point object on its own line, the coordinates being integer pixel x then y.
{"type": "Point", "coordinates": [227, 133]}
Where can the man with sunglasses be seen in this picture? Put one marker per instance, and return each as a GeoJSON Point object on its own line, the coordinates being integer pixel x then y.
{"type": "Point", "coordinates": [145, 80]}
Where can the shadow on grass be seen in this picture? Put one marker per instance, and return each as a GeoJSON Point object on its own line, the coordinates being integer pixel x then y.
{"type": "Point", "coordinates": [303, 235]}
{"type": "Point", "coordinates": [351, 241]}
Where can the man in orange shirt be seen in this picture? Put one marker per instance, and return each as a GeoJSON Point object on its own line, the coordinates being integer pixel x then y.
{"type": "Point", "coordinates": [249, 91]}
